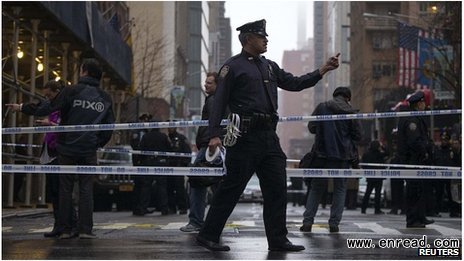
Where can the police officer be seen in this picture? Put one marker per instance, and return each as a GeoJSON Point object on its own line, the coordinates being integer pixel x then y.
{"type": "Point", "coordinates": [248, 86]}
{"type": "Point", "coordinates": [413, 146]}
{"type": "Point", "coordinates": [142, 183]}
{"type": "Point", "coordinates": [177, 194]}
{"type": "Point", "coordinates": [154, 140]}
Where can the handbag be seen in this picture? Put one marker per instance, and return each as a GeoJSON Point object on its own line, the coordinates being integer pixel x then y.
{"type": "Point", "coordinates": [306, 161]}
{"type": "Point", "coordinates": [44, 156]}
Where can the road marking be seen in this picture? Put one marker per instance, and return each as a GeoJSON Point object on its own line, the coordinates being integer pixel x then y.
{"type": "Point", "coordinates": [378, 229]}
{"type": "Point", "coordinates": [145, 225]}
{"type": "Point", "coordinates": [446, 231]}
{"type": "Point", "coordinates": [7, 229]}
{"type": "Point", "coordinates": [173, 225]}
{"type": "Point", "coordinates": [113, 226]}
{"type": "Point", "coordinates": [41, 230]}
{"type": "Point", "coordinates": [243, 223]}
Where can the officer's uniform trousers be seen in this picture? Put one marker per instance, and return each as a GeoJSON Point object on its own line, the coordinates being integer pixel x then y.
{"type": "Point", "coordinates": [415, 196]}
{"type": "Point", "coordinates": [257, 151]}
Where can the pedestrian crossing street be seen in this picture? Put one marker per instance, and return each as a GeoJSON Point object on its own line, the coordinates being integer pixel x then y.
{"type": "Point", "coordinates": [241, 226]}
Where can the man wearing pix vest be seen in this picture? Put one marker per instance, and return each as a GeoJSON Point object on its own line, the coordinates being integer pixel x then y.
{"type": "Point", "coordinates": [81, 104]}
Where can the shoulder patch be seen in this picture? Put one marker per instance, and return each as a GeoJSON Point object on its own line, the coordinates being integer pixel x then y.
{"type": "Point", "coordinates": [224, 71]}
{"type": "Point", "coordinates": [412, 126]}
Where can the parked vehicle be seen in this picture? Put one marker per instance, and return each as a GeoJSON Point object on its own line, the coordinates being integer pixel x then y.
{"type": "Point", "coordinates": [114, 191]}
{"type": "Point", "coordinates": [252, 192]}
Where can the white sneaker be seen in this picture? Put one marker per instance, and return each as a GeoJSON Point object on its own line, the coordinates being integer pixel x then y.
{"type": "Point", "coordinates": [189, 228]}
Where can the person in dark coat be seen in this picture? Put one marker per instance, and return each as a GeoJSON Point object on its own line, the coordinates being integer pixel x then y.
{"type": "Point", "coordinates": [333, 149]}
{"type": "Point", "coordinates": [375, 154]}
{"type": "Point", "coordinates": [81, 104]}
{"type": "Point", "coordinates": [177, 194]}
{"type": "Point", "coordinates": [154, 140]}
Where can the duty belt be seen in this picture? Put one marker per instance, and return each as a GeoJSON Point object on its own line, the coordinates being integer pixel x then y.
{"type": "Point", "coordinates": [258, 121]}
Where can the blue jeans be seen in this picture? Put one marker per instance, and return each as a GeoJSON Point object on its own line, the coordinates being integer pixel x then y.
{"type": "Point", "coordinates": [197, 197]}
{"type": "Point", "coordinates": [319, 185]}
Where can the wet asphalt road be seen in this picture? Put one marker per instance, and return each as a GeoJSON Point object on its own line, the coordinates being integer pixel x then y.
{"type": "Point", "coordinates": [123, 236]}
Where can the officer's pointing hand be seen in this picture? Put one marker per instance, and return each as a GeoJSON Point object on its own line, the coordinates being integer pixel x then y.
{"type": "Point", "coordinates": [331, 64]}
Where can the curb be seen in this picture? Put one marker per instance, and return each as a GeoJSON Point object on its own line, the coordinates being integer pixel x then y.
{"type": "Point", "coordinates": [24, 213]}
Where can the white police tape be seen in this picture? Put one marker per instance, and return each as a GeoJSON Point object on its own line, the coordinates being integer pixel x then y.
{"type": "Point", "coordinates": [408, 166]}
{"type": "Point", "coordinates": [148, 152]}
{"type": "Point", "coordinates": [194, 171]}
{"type": "Point", "coordinates": [105, 170]}
{"type": "Point", "coordinates": [21, 145]}
{"type": "Point", "coordinates": [154, 125]}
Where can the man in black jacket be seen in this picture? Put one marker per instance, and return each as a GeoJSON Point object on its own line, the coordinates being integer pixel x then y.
{"type": "Point", "coordinates": [199, 185]}
{"type": "Point", "coordinates": [83, 103]}
{"type": "Point", "coordinates": [154, 140]}
{"type": "Point", "coordinates": [334, 148]}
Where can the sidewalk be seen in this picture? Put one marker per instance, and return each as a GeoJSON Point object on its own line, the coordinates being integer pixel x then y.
{"type": "Point", "coordinates": [19, 211]}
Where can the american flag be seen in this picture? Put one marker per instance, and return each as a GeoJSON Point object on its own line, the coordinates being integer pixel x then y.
{"type": "Point", "coordinates": [408, 58]}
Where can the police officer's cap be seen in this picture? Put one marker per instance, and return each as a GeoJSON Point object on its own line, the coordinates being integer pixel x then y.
{"type": "Point", "coordinates": [416, 97]}
{"type": "Point", "coordinates": [343, 91]}
{"type": "Point", "coordinates": [145, 116]}
{"type": "Point", "coordinates": [256, 27]}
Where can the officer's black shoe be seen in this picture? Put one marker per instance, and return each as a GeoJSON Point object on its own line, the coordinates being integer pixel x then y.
{"type": "Point", "coordinates": [138, 213]}
{"type": "Point", "coordinates": [416, 225]}
{"type": "Point", "coordinates": [54, 233]}
{"type": "Point", "coordinates": [379, 212]}
{"type": "Point", "coordinates": [148, 211]}
{"type": "Point", "coordinates": [393, 212]}
{"type": "Point", "coordinates": [333, 229]}
{"type": "Point", "coordinates": [428, 221]}
{"type": "Point", "coordinates": [213, 246]}
{"type": "Point", "coordinates": [306, 228]}
{"type": "Point", "coordinates": [363, 211]}
{"type": "Point", "coordinates": [287, 246]}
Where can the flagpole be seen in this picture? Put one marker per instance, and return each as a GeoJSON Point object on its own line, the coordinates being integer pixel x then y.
{"type": "Point", "coordinates": [432, 96]}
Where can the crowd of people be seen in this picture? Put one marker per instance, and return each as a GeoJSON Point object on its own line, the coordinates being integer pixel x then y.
{"type": "Point", "coordinates": [246, 86]}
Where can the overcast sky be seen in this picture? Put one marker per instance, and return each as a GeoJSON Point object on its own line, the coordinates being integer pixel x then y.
{"type": "Point", "coordinates": [281, 17]}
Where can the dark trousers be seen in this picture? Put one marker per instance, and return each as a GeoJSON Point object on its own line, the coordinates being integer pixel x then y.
{"type": "Point", "coordinates": [416, 205]}
{"type": "Point", "coordinates": [142, 192]}
{"type": "Point", "coordinates": [397, 194]}
{"type": "Point", "coordinates": [177, 195]}
{"type": "Point", "coordinates": [371, 185]}
{"type": "Point", "coordinates": [53, 191]}
{"type": "Point", "coordinates": [85, 212]}
{"type": "Point", "coordinates": [260, 152]}
{"type": "Point", "coordinates": [161, 195]}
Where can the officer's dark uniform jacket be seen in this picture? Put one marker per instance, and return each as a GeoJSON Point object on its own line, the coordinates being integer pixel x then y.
{"type": "Point", "coordinates": [155, 140]}
{"type": "Point", "coordinates": [249, 85]}
{"type": "Point", "coordinates": [413, 141]}
{"type": "Point", "coordinates": [335, 139]}
{"type": "Point", "coordinates": [179, 143]}
{"type": "Point", "coordinates": [83, 103]}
